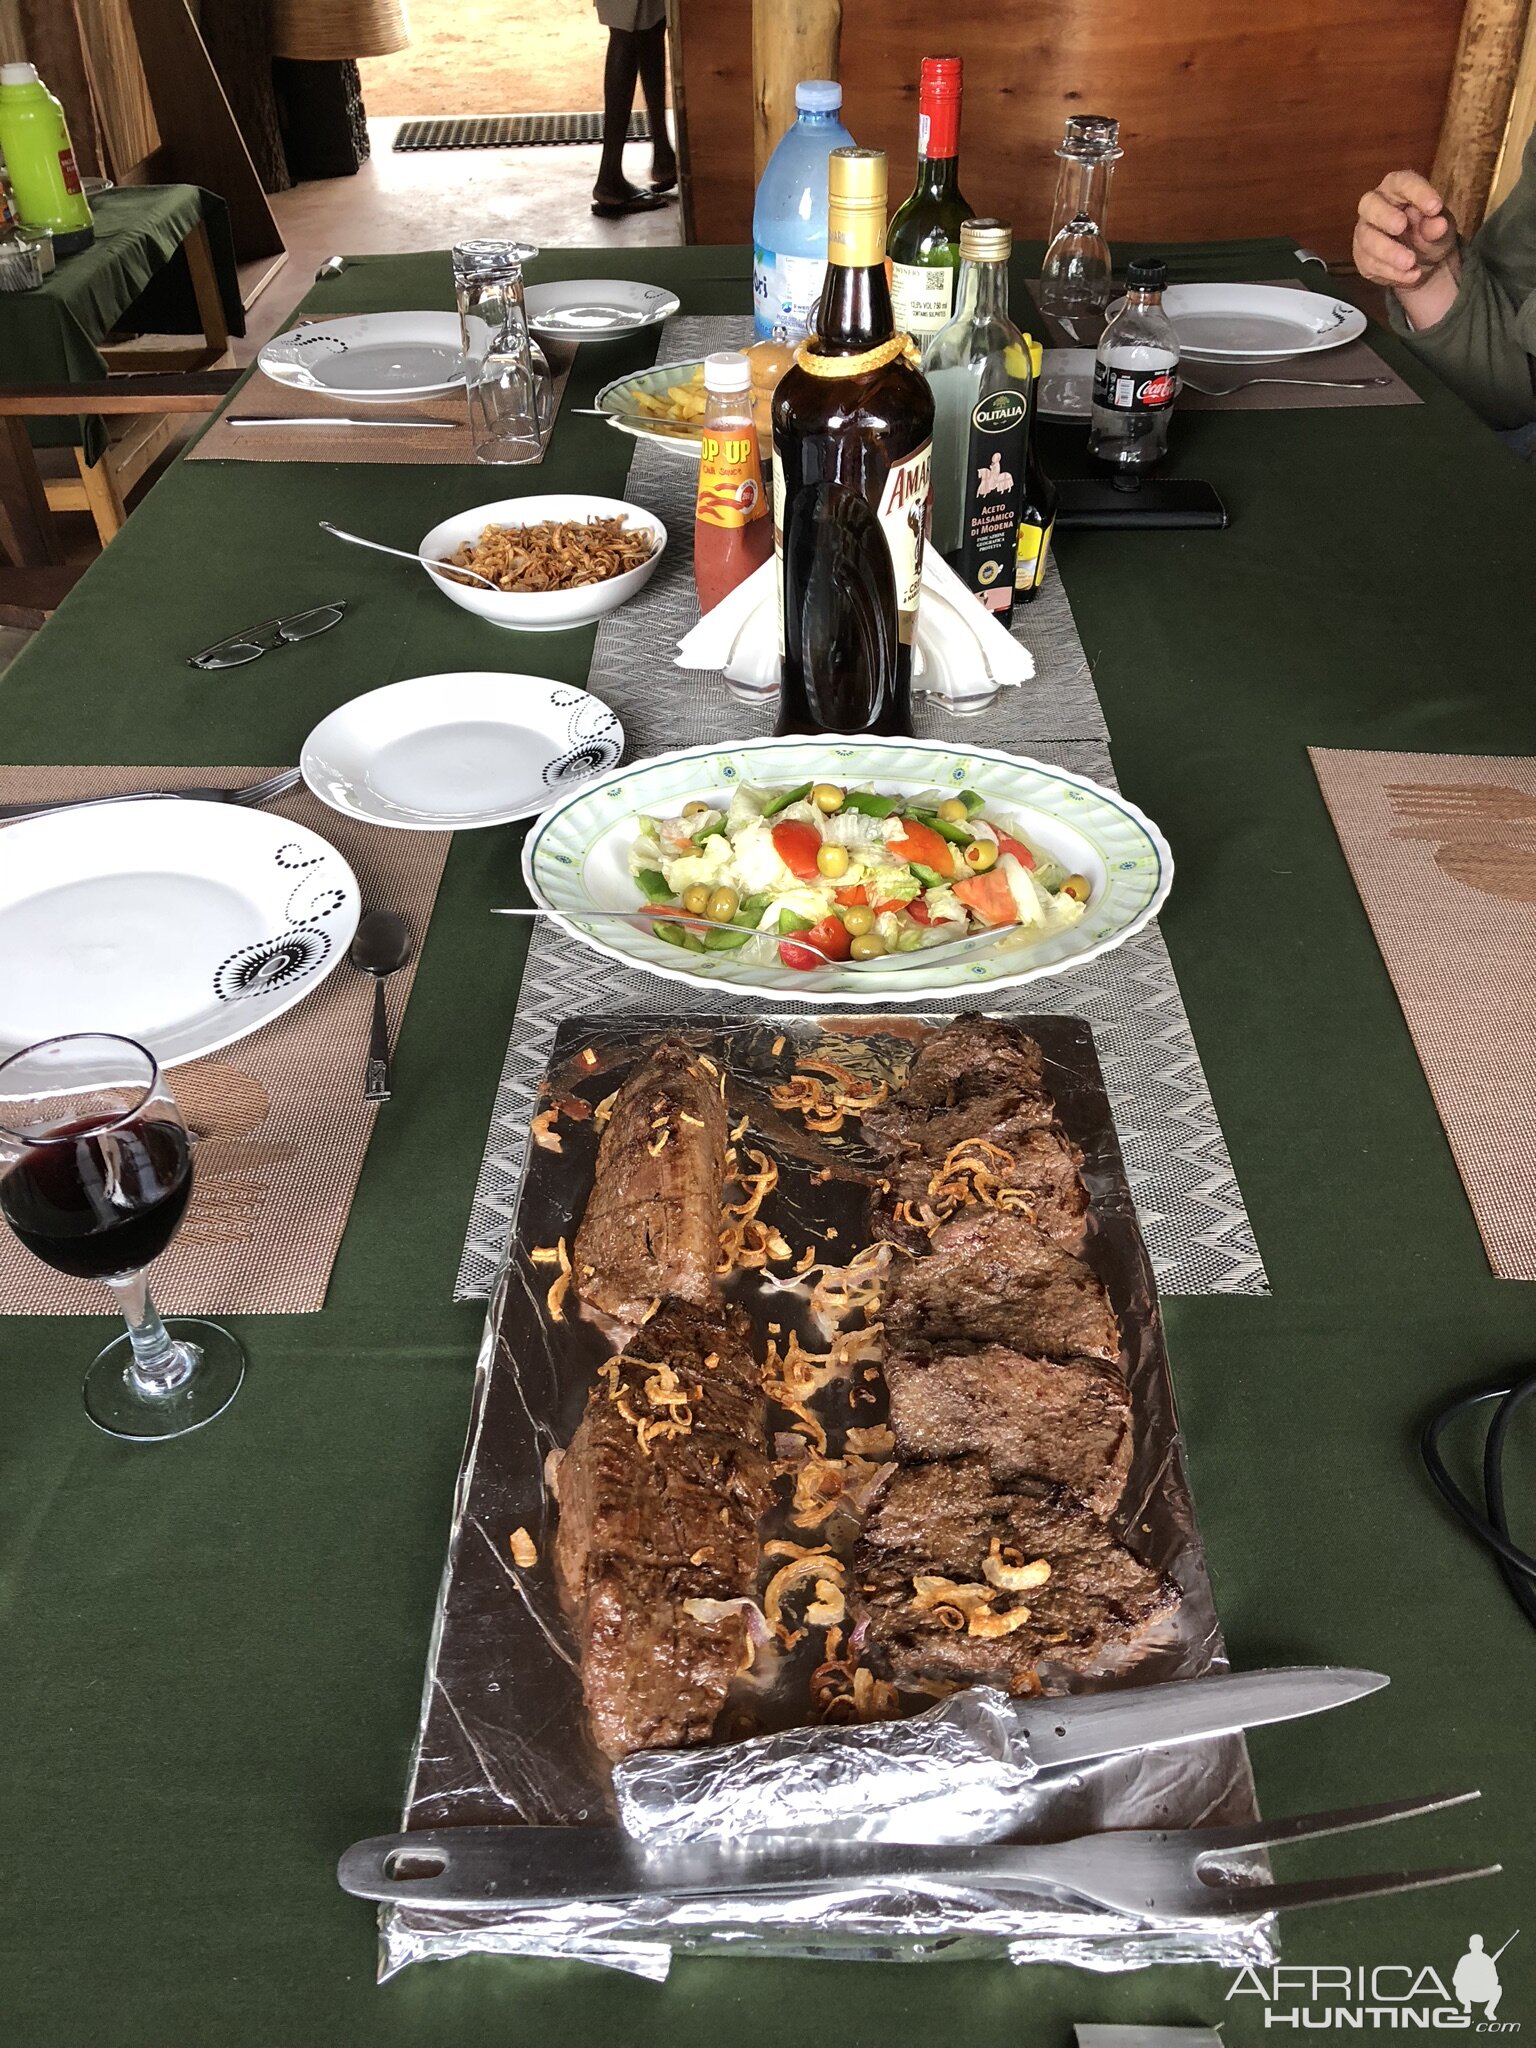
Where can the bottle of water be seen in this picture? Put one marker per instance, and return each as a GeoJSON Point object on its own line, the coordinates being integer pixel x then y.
{"type": "Point", "coordinates": [1135, 377]}
{"type": "Point", "coordinates": [789, 218]}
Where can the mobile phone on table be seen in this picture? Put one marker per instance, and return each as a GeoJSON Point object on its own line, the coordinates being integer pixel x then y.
{"type": "Point", "coordinates": [1161, 501]}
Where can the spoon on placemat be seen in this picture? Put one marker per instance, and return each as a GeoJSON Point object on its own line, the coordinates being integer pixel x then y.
{"type": "Point", "coordinates": [382, 944]}
{"type": "Point", "coordinates": [451, 569]}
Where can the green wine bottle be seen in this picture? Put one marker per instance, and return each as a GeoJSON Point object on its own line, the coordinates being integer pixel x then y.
{"type": "Point", "coordinates": [923, 246]}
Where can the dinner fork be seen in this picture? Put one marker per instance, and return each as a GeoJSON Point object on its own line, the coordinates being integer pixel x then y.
{"type": "Point", "coordinates": [765, 945]}
{"type": "Point", "coordinates": [1150, 1874]}
{"type": "Point", "coordinates": [251, 793]}
{"type": "Point", "coordinates": [1300, 383]}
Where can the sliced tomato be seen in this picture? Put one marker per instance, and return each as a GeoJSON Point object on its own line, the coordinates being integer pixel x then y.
{"type": "Point", "coordinates": [828, 940]}
{"type": "Point", "coordinates": [919, 842]}
{"type": "Point", "coordinates": [797, 845]}
{"type": "Point", "coordinates": [851, 898]}
{"type": "Point", "coordinates": [1017, 848]}
{"type": "Point", "coordinates": [918, 910]}
{"type": "Point", "coordinates": [989, 896]}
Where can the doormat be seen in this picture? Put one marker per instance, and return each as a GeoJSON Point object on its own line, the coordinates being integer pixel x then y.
{"type": "Point", "coordinates": [511, 131]}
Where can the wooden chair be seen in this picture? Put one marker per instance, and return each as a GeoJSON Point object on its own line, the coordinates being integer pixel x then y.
{"type": "Point", "coordinates": [38, 578]}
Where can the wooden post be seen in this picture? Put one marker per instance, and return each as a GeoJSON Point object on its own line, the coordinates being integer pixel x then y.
{"type": "Point", "coordinates": [791, 40]}
{"type": "Point", "coordinates": [1477, 106]}
{"type": "Point", "coordinates": [1522, 120]}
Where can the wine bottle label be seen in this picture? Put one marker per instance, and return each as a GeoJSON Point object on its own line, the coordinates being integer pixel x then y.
{"type": "Point", "coordinates": [903, 515]}
{"type": "Point", "coordinates": [1133, 390]}
{"type": "Point", "coordinates": [993, 485]}
{"type": "Point", "coordinates": [1033, 553]}
{"type": "Point", "coordinates": [922, 298]}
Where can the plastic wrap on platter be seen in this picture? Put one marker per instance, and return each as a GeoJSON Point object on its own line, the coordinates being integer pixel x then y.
{"type": "Point", "coordinates": [504, 1737]}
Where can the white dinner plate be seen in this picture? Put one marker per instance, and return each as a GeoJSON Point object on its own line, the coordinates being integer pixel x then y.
{"type": "Point", "coordinates": [370, 356]}
{"type": "Point", "coordinates": [595, 308]}
{"type": "Point", "coordinates": [453, 752]}
{"type": "Point", "coordinates": [1257, 323]}
{"type": "Point", "coordinates": [185, 925]}
{"type": "Point", "coordinates": [1066, 384]}
{"type": "Point", "coordinates": [576, 859]}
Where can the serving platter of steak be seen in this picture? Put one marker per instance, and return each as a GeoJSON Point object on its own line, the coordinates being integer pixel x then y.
{"type": "Point", "coordinates": [997, 1278]}
{"type": "Point", "coordinates": [1036, 1165]}
{"type": "Point", "coordinates": [1066, 1420]}
{"type": "Point", "coordinates": [650, 1228]}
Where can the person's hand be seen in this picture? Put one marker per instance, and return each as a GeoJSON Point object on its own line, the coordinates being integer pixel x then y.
{"type": "Point", "coordinates": [1405, 240]}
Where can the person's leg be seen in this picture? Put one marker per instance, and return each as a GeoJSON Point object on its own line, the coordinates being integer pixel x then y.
{"type": "Point", "coordinates": [653, 83]}
{"type": "Point", "coordinates": [619, 75]}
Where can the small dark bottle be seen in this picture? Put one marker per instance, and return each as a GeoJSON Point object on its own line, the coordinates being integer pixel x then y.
{"type": "Point", "coordinates": [1037, 514]}
{"type": "Point", "coordinates": [852, 453]}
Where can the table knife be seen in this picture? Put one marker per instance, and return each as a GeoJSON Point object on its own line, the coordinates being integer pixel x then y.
{"type": "Point", "coordinates": [311, 420]}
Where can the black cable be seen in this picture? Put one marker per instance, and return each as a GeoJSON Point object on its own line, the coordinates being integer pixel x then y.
{"type": "Point", "coordinates": [1491, 1529]}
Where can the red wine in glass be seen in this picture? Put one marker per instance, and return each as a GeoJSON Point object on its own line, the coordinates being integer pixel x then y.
{"type": "Point", "coordinates": [100, 1204]}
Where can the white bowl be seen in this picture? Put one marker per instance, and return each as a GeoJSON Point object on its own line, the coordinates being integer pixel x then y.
{"type": "Point", "coordinates": [539, 611]}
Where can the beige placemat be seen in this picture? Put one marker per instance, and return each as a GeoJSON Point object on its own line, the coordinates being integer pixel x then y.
{"type": "Point", "coordinates": [260, 398]}
{"type": "Point", "coordinates": [1311, 392]}
{"type": "Point", "coordinates": [280, 1123]}
{"type": "Point", "coordinates": [1443, 851]}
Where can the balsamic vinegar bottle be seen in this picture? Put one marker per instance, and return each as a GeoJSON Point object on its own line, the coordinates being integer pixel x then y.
{"type": "Point", "coordinates": [852, 441]}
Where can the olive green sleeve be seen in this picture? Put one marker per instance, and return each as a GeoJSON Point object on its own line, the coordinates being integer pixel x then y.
{"type": "Point", "coordinates": [1484, 346]}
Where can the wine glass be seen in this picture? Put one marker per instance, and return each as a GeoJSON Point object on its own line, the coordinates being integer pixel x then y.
{"type": "Point", "coordinates": [95, 1172]}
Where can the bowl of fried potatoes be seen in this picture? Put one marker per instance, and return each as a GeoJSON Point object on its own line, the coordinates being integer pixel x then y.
{"type": "Point", "coordinates": [666, 404]}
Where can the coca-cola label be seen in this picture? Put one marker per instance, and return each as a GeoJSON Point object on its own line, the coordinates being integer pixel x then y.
{"type": "Point", "coordinates": [1133, 390]}
{"type": "Point", "coordinates": [903, 515]}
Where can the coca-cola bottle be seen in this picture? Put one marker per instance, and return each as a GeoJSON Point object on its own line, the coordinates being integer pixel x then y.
{"type": "Point", "coordinates": [1135, 376]}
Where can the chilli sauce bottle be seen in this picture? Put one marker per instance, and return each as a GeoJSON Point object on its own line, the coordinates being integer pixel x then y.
{"type": "Point", "coordinates": [732, 533]}
{"type": "Point", "coordinates": [924, 241]}
{"type": "Point", "coordinates": [852, 445]}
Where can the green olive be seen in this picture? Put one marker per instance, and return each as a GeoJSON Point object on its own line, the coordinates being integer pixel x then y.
{"type": "Point", "coordinates": [694, 810]}
{"type": "Point", "coordinates": [826, 796]}
{"type": "Point", "coordinates": [695, 899]}
{"type": "Point", "coordinates": [832, 861]}
{"type": "Point", "coordinates": [1078, 887]}
{"type": "Point", "coordinates": [722, 906]}
{"type": "Point", "coordinates": [858, 921]}
{"type": "Point", "coordinates": [952, 811]}
{"type": "Point", "coordinates": [867, 946]}
{"type": "Point", "coordinates": [980, 855]}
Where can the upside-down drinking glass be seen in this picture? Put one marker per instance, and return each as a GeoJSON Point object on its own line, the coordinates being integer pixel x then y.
{"type": "Point", "coordinates": [1075, 276]}
{"type": "Point", "coordinates": [506, 375]}
{"type": "Point", "coordinates": [95, 1173]}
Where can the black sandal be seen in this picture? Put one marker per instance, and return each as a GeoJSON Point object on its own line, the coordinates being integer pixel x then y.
{"type": "Point", "coordinates": [634, 201]}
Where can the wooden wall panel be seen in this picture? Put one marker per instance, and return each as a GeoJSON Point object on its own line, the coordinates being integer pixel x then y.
{"type": "Point", "coordinates": [1239, 117]}
{"type": "Point", "coordinates": [128, 130]}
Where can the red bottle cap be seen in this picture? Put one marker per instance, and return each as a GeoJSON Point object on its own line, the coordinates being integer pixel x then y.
{"type": "Point", "coordinates": [938, 107]}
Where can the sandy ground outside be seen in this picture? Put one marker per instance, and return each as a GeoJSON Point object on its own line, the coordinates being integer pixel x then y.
{"type": "Point", "coordinates": [492, 57]}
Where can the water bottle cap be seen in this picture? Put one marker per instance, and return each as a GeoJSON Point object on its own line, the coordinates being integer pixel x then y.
{"type": "Point", "coordinates": [1147, 274]}
{"type": "Point", "coordinates": [727, 370]}
{"type": "Point", "coordinates": [818, 96]}
{"type": "Point", "coordinates": [18, 74]}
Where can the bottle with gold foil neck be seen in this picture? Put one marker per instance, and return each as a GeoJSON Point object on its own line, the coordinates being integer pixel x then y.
{"type": "Point", "coordinates": [852, 438]}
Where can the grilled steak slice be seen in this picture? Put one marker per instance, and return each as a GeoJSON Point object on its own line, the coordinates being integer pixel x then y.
{"type": "Point", "coordinates": [998, 1279]}
{"type": "Point", "coordinates": [1067, 1420]}
{"type": "Point", "coordinates": [1042, 1162]}
{"type": "Point", "coordinates": [643, 1530]}
{"type": "Point", "coordinates": [970, 1057]}
{"type": "Point", "coordinates": [942, 1520]}
{"type": "Point", "coordinates": [652, 1222]}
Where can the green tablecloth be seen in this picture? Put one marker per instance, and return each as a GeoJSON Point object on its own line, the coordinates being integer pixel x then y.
{"type": "Point", "coordinates": [214, 1649]}
{"type": "Point", "coordinates": [133, 277]}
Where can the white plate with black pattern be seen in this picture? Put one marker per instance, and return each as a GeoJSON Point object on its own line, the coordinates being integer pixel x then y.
{"type": "Point", "coordinates": [370, 356]}
{"type": "Point", "coordinates": [182, 924]}
{"type": "Point", "coordinates": [452, 752]}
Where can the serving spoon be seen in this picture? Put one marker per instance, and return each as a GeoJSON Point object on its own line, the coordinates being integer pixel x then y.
{"type": "Point", "coordinates": [452, 569]}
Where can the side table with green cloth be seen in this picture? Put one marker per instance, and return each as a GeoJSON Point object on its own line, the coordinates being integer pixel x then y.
{"type": "Point", "coordinates": [214, 1649]}
{"type": "Point", "coordinates": [134, 274]}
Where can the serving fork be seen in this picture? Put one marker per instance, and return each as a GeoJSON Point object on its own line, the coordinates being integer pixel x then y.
{"type": "Point", "coordinates": [1152, 1874]}
{"type": "Point", "coordinates": [1300, 383]}
{"type": "Point", "coordinates": [764, 946]}
{"type": "Point", "coordinates": [253, 793]}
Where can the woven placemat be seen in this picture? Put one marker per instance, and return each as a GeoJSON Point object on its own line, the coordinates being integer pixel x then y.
{"type": "Point", "coordinates": [1443, 851]}
{"type": "Point", "coordinates": [259, 398]}
{"type": "Point", "coordinates": [1313, 374]}
{"type": "Point", "coordinates": [1190, 1206]}
{"type": "Point", "coordinates": [279, 1120]}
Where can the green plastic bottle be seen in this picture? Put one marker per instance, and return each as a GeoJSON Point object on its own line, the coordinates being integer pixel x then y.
{"type": "Point", "coordinates": [34, 139]}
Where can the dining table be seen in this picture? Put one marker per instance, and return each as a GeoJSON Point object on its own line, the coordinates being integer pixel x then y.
{"type": "Point", "coordinates": [215, 1646]}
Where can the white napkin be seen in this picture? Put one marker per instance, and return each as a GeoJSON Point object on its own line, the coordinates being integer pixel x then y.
{"type": "Point", "coordinates": [961, 652]}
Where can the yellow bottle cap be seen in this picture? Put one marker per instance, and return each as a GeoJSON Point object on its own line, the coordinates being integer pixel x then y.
{"type": "Point", "coordinates": [856, 207]}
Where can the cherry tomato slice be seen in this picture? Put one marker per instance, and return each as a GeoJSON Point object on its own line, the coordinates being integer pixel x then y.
{"type": "Point", "coordinates": [797, 845]}
{"type": "Point", "coordinates": [826, 941]}
{"type": "Point", "coordinates": [921, 843]}
{"type": "Point", "coordinates": [1017, 848]}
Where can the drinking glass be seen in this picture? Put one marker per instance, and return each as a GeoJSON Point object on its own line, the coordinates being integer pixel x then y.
{"type": "Point", "coordinates": [95, 1172]}
{"type": "Point", "coordinates": [507, 380]}
{"type": "Point", "coordinates": [1075, 276]}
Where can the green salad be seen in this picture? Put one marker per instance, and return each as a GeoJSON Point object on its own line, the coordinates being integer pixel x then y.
{"type": "Point", "coordinates": [838, 874]}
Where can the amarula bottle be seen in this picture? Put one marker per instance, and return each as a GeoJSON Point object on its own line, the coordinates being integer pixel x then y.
{"type": "Point", "coordinates": [924, 241]}
{"type": "Point", "coordinates": [852, 439]}
{"type": "Point", "coordinates": [732, 533]}
{"type": "Point", "coordinates": [978, 369]}
{"type": "Point", "coordinates": [1037, 514]}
